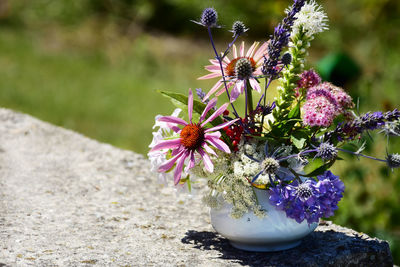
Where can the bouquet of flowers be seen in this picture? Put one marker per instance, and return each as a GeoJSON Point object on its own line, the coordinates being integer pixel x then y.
{"type": "Point", "coordinates": [268, 146]}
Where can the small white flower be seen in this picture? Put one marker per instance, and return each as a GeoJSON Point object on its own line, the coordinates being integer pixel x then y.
{"type": "Point", "coordinates": [311, 19]}
{"type": "Point", "coordinates": [157, 158]}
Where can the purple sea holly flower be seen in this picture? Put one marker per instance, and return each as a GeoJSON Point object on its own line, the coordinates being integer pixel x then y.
{"type": "Point", "coordinates": [193, 138]}
{"type": "Point", "coordinates": [309, 200]}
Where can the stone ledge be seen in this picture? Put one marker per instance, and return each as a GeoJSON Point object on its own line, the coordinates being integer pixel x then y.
{"type": "Point", "coordinates": [67, 200]}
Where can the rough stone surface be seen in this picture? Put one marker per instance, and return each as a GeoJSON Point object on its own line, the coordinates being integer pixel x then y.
{"type": "Point", "coordinates": [66, 200]}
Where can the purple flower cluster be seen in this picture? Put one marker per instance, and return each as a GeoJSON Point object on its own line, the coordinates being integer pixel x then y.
{"type": "Point", "coordinates": [308, 79]}
{"type": "Point", "coordinates": [280, 39]}
{"type": "Point", "coordinates": [309, 200]}
{"type": "Point", "coordinates": [369, 121]}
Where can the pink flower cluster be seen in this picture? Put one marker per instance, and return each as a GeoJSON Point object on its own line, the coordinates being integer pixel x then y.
{"type": "Point", "coordinates": [324, 102]}
{"type": "Point", "coordinates": [308, 79]}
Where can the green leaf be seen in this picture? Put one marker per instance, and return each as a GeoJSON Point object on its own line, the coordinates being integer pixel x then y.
{"type": "Point", "coordinates": [295, 112]}
{"type": "Point", "coordinates": [298, 142]}
{"type": "Point", "coordinates": [180, 101]}
{"type": "Point", "coordinates": [320, 170]}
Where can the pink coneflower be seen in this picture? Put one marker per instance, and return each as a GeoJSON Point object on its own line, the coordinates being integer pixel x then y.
{"type": "Point", "coordinates": [241, 68]}
{"type": "Point", "coordinates": [193, 137]}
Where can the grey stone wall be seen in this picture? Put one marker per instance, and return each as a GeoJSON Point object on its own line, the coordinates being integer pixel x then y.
{"type": "Point", "coordinates": [66, 200]}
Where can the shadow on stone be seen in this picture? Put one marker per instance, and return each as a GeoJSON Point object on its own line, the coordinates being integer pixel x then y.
{"type": "Point", "coordinates": [321, 248]}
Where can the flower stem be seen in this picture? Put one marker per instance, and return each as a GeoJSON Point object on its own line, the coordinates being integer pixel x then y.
{"type": "Point", "coordinates": [229, 47]}
{"type": "Point", "coordinates": [359, 154]}
{"type": "Point", "coordinates": [222, 70]}
{"type": "Point", "coordinates": [249, 97]}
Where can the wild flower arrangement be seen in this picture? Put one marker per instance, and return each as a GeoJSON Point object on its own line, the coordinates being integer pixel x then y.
{"type": "Point", "coordinates": [267, 147]}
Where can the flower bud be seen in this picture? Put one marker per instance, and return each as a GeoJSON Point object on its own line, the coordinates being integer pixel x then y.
{"type": "Point", "coordinates": [238, 28]}
{"type": "Point", "coordinates": [209, 17]}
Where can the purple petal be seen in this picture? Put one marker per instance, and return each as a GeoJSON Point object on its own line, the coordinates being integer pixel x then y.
{"type": "Point", "coordinates": [211, 104]}
{"type": "Point", "coordinates": [215, 114]}
{"type": "Point", "coordinates": [207, 161]}
{"type": "Point", "coordinates": [190, 105]}
{"type": "Point", "coordinates": [218, 143]}
{"type": "Point", "coordinates": [170, 144]}
{"type": "Point", "coordinates": [236, 91]}
{"type": "Point", "coordinates": [179, 167]}
{"type": "Point", "coordinates": [221, 126]}
{"type": "Point", "coordinates": [172, 119]}
{"type": "Point", "coordinates": [175, 128]}
{"type": "Point", "coordinates": [192, 162]}
{"type": "Point", "coordinates": [169, 163]}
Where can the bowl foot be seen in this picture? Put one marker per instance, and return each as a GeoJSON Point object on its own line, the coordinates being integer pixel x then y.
{"type": "Point", "coordinates": [259, 247]}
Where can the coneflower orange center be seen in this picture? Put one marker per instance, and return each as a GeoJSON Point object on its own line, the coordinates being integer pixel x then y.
{"type": "Point", "coordinates": [230, 68]}
{"type": "Point", "coordinates": [192, 136]}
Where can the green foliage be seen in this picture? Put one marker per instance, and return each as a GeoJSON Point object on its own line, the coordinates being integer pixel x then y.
{"type": "Point", "coordinates": [181, 100]}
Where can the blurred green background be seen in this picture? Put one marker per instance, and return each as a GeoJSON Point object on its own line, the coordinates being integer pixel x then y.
{"type": "Point", "coordinates": [94, 66]}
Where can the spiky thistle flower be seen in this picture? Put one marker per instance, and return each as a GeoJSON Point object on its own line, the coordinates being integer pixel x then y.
{"type": "Point", "coordinates": [238, 28]}
{"type": "Point", "coordinates": [208, 18]}
{"type": "Point", "coordinates": [326, 151]}
{"type": "Point", "coordinates": [393, 161]}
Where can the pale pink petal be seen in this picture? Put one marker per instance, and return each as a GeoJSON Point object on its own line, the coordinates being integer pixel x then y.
{"type": "Point", "coordinates": [257, 71]}
{"type": "Point", "coordinates": [213, 68]}
{"type": "Point", "coordinates": [212, 90]}
{"type": "Point", "coordinates": [255, 85]}
{"type": "Point", "coordinates": [209, 76]}
{"type": "Point", "coordinates": [215, 114]}
{"type": "Point", "coordinates": [234, 51]}
{"type": "Point", "coordinates": [214, 134]}
{"type": "Point", "coordinates": [242, 49]}
{"type": "Point", "coordinates": [208, 149]}
{"type": "Point", "coordinates": [226, 61]}
{"type": "Point", "coordinates": [218, 143]}
{"type": "Point", "coordinates": [172, 119]}
{"type": "Point", "coordinates": [167, 144]}
{"type": "Point", "coordinates": [214, 62]}
{"type": "Point", "coordinates": [179, 167]}
{"type": "Point", "coordinates": [223, 90]}
{"type": "Point", "coordinates": [260, 52]}
{"type": "Point", "coordinates": [207, 161]}
{"type": "Point", "coordinates": [211, 104]}
{"type": "Point", "coordinates": [252, 49]}
{"type": "Point", "coordinates": [235, 93]}
{"type": "Point", "coordinates": [169, 163]}
{"type": "Point", "coordinates": [228, 123]}
{"type": "Point", "coordinates": [190, 105]}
